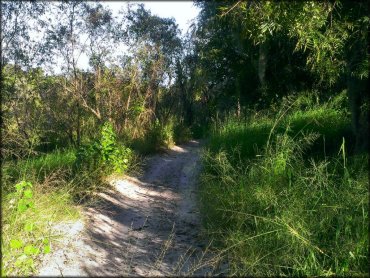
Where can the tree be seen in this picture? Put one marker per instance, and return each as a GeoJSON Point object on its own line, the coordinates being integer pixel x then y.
{"type": "Point", "coordinates": [331, 36]}
{"type": "Point", "coordinates": [18, 20]}
{"type": "Point", "coordinates": [159, 46]}
{"type": "Point", "coordinates": [84, 29]}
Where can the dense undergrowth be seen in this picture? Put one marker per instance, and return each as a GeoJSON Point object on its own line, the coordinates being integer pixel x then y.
{"type": "Point", "coordinates": [59, 182]}
{"type": "Point", "coordinates": [284, 193]}
{"type": "Point", "coordinates": [37, 194]}
{"type": "Point", "coordinates": [40, 192]}
{"type": "Point", "coordinates": [161, 135]}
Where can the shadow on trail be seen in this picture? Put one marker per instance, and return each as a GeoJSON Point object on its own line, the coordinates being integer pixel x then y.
{"type": "Point", "coordinates": [149, 225]}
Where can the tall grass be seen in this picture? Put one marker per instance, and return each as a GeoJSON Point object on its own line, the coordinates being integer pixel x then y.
{"type": "Point", "coordinates": [282, 200]}
{"type": "Point", "coordinates": [57, 185]}
{"type": "Point", "coordinates": [36, 168]}
{"type": "Point", "coordinates": [39, 192]}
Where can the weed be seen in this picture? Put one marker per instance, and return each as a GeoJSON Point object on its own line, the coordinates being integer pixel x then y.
{"type": "Point", "coordinates": [26, 230]}
{"type": "Point", "coordinates": [104, 152]}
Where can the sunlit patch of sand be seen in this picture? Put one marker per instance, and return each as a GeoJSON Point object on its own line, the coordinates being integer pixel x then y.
{"type": "Point", "coordinates": [134, 189]}
{"type": "Point", "coordinates": [179, 149]}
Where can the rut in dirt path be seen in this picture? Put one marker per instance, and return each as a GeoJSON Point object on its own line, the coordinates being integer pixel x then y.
{"type": "Point", "coordinates": [146, 226]}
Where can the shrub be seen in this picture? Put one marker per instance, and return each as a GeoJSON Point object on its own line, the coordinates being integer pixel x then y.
{"type": "Point", "coordinates": [104, 152]}
{"type": "Point", "coordinates": [199, 130]}
{"type": "Point", "coordinates": [182, 133]}
{"type": "Point", "coordinates": [160, 135]}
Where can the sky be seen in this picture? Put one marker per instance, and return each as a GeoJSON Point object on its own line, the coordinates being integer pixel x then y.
{"type": "Point", "coordinates": [184, 12]}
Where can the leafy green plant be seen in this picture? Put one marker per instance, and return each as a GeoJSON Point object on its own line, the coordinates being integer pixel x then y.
{"type": "Point", "coordinates": [116, 155]}
{"type": "Point", "coordinates": [105, 152]}
{"type": "Point", "coordinates": [25, 250]}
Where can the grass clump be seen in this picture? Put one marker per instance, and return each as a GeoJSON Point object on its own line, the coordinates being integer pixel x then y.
{"type": "Point", "coordinates": [282, 204]}
{"type": "Point", "coordinates": [158, 136]}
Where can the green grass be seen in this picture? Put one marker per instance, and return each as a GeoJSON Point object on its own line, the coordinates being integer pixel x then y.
{"type": "Point", "coordinates": [57, 190]}
{"type": "Point", "coordinates": [40, 192]}
{"type": "Point", "coordinates": [161, 136]}
{"type": "Point", "coordinates": [51, 206]}
{"type": "Point", "coordinates": [297, 114]}
{"type": "Point", "coordinates": [52, 195]}
{"type": "Point", "coordinates": [36, 168]}
{"type": "Point", "coordinates": [280, 201]}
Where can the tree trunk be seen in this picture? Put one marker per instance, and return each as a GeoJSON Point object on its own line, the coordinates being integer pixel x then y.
{"type": "Point", "coordinates": [78, 125]}
{"type": "Point", "coordinates": [188, 113]}
{"type": "Point", "coordinates": [359, 129]}
{"type": "Point", "coordinates": [262, 63]}
{"type": "Point", "coordinates": [127, 109]}
{"type": "Point", "coordinates": [237, 88]}
{"type": "Point", "coordinates": [356, 90]}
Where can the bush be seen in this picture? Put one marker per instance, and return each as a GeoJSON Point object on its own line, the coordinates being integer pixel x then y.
{"type": "Point", "coordinates": [199, 131]}
{"type": "Point", "coordinates": [182, 134]}
{"type": "Point", "coordinates": [158, 136]}
{"type": "Point", "coordinates": [104, 152]}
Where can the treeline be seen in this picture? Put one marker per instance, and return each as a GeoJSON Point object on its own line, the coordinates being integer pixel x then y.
{"type": "Point", "coordinates": [237, 56]}
{"type": "Point", "coordinates": [50, 101]}
{"type": "Point", "coordinates": [250, 54]}
{"type": "Point", "coordinates": [65, 126]}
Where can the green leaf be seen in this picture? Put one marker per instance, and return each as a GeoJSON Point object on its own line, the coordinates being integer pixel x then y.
{"type": "Point", "coordinates": [28, 227]}
{"type": "Point", "coordinates": [46, 249]}
{"type": "Point", "coordinates": [22, 205]}
{"type": "Point", "coordinates": [30, 250]}
{"type": "Point", "coordinates": [21, 259]}
{"type": "Point", "coordinates": [16, 244]}
{"type": "Point", "coordinates": [30, 204]}
{"type": "Point", "coordinates": [29, 262]}
{"type": "Point", "coordinates": [20, 186]}
{"type": "Point", "coordinates": [28, 193]}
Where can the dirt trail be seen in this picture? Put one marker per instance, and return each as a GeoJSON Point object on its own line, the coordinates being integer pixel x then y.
{"type": "Point", "coordinates": [147, 226]}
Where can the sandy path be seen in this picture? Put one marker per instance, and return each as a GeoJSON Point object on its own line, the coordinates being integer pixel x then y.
{"type": "Point", "coordinates": [146, 226]}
